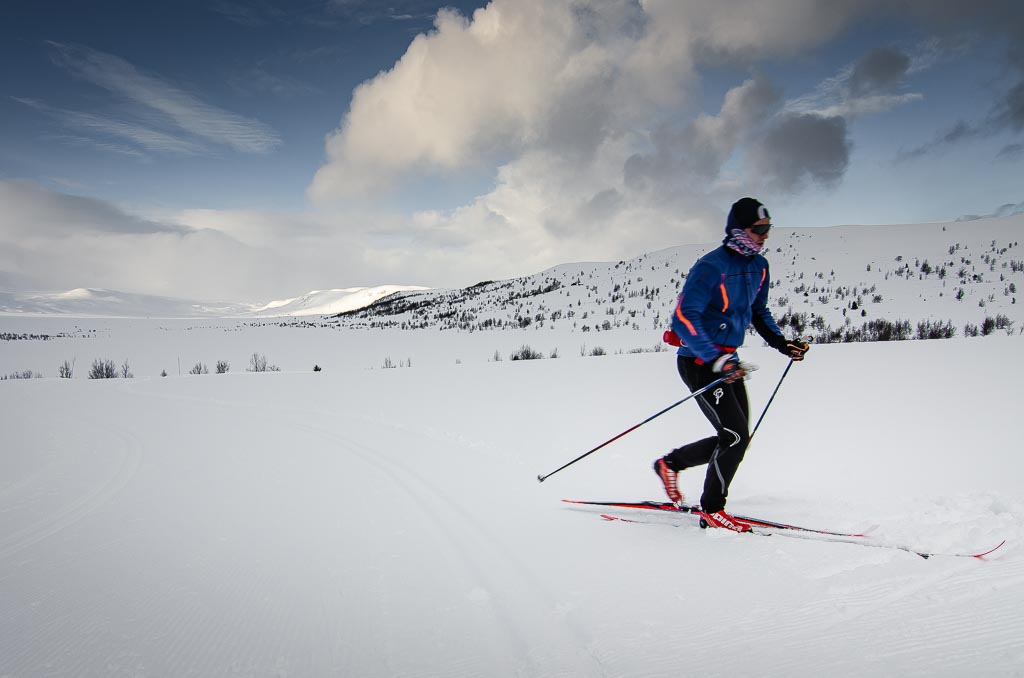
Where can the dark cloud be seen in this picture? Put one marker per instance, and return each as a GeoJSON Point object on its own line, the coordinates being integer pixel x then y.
{"type": "Point", "coordinates": [880, 70]}
{"type": "Point", "coordinates": [998, 22]}
{"type": "Point", "coordinates": [1011, 152]}
{"type": "Point", "coordinates": [800, 148]}
{"type": "Point", "coordinates": [27, 207]}
{"type": "Point", "coordinates": [698, 151]}
{"type": "Point", "coordinates": [1007, 210]}
{"type": "Point", "coordinates": [1008, 113]}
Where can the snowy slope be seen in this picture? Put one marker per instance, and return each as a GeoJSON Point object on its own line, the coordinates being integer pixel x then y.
{"type": "Point", "coordinates": [388, 522]}
{"type": "Point", "coordinates": [836, 278]}
{"type": "Point", "coordinates": [93, 302]}
{"type": "Point", "coordinates": [328, 302]}
{"type": "Point", "coordinates": [101, 303]}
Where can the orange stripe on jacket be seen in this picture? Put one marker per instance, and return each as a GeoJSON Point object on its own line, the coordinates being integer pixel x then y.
{"type": "Point", "coordinates": [725, 295]}
{"type": "Point", "coordinates": [682, 318]}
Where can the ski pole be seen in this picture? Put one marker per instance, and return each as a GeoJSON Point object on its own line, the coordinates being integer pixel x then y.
{"type": "Point", "coordinates": [763, 412]}
{"type": "Point", "coordinates": [542, 478]}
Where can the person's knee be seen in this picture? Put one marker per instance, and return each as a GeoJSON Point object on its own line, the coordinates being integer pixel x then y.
{"type": "Point", "coordinates": [733, 441]}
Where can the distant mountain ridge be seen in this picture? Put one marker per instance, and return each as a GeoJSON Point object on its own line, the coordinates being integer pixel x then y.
{"type": "Point", "coordinates": [829, 283]}
{"type": "Point", "coordinates": [97, 302]}
{"type": "Point", "coordinates": [330, 302]}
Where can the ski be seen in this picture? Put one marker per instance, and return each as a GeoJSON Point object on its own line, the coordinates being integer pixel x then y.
{"type": "Point", "coordinates": [838, 539]}
{"type": "Point", "coordinates": [668, 507]}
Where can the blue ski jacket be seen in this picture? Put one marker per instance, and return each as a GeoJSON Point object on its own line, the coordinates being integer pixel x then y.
{"type": "Point", "coordinates": [724, 292]}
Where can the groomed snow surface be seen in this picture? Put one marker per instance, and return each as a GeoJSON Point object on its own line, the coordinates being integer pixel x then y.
{"type": "Point", "coordinates": [388, 522]}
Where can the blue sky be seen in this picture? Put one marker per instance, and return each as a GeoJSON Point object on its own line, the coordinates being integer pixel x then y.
{"type": "Point", "coordinates": [246, 151]}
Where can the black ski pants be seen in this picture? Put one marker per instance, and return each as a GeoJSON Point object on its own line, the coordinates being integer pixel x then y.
{"type": "Point", "coordinates": [727, 409]}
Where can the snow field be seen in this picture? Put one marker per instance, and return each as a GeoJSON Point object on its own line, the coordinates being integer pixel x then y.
{"type": "Point", "coordinates": [389, 522]}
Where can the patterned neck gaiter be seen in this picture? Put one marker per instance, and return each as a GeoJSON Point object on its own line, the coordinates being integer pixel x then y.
{"type": "Point", "coordinates": [739, 241]}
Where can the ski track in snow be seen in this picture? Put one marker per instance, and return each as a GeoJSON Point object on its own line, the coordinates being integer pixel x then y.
{"type": "Point", "coordinates": [359, 525]}
{"type": "Point", "coordinates": [74, 508]}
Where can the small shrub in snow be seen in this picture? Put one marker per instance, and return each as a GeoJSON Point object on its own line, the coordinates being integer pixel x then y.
{"type": "Point", "coordinates": [199, 368]}
{"type": "Point", "coordinates": [597, 350]}
{"type": "Point", "coordinates": [103, 369]}
{"type": "Point", "coordinates": [66, 370]}
{"type": "Point", "coordinates": [222, 367]}
{"type": "Point", "coordinates": [927, 329]}
{"type": "Point", "coordinates": [316, 368]}
{"type": "Point", "coordinates": [258, 363]}
{"type": "Point", "coordinates": [26, 374]}
{"type": "Point", "coordinates": [526, 353]}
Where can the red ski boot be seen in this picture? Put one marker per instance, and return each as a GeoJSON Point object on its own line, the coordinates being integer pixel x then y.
{"type": "Point", "coordinates": [668, 480]}
{"type": "Point", "coordinates": [723, 520]}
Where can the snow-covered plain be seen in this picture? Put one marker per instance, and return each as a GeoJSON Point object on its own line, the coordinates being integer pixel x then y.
{"type": "Point", "coordinates": [388, 522]}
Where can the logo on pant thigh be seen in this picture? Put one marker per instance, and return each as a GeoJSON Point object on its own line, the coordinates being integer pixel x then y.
{"type": "Point", "coordinates": [718, 393]}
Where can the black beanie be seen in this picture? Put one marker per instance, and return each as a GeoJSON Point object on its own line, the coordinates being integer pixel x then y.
{"type": "Point", "coordinates": [744, 213]}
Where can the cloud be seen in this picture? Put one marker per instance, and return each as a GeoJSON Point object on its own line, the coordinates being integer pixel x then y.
{"type": "Point", "coordinates": [528, 74]}
{"type": "Point", "coordinates": [1008, 112]}
{"type": "Point", "coordinates": [1011, 152]}
{"type": "Point", "coordinates": [519, 75]}
{"type": "Point", "coordinates": [697, 151]}
{"type": "Point", "coordinates": [584, 115]}
{"type": "Point", "coordinates": [30, 210]}
{"type": "Point", "coordinates": [1006, 115]}
{"type": "Point", "coordinates": [51, 240]}
{"type": "Point", "coordinates": [883, 69]}
{"type": "Point", "coordinates": [871, 85]}
{"type": "Point", "coordinates": [143, 137]}
{"type": "Point", "coordinates": [1007, 210]}
{"type": "Point", "coordinates": [176, 109]}
{"type": "Point", "coordinates": [800, 148]}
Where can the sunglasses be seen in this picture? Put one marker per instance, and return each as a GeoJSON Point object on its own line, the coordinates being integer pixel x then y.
{"type": "Point", "coordinates": [761, 229]}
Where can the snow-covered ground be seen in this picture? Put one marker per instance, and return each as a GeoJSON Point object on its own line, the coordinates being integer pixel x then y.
{"type": "Point", "coordinates": [388, 522]}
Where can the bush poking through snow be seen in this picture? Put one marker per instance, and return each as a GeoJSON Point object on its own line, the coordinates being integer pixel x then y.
{"type": "Point", "coordinates": [258, 363]}
{"type": "Point", "coordinates": [26, 374]}
{"type": "Point", "coordinates": [526, 353]}
{"type": "Point", "coordinates": [103, 369]}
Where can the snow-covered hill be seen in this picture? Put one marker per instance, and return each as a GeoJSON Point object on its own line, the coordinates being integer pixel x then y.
{"type": "Point", "coordinates": [102, 303]}
{"type": "Point", "coordinates": [831, 284]}
{"type": "Point", "coordinates": [330, 302]}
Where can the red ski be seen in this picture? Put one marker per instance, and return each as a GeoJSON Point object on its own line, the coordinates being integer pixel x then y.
{"type": "Point", "coordinates": [668, 507]}
{"type": "Point", "coordinates": [766, 528]}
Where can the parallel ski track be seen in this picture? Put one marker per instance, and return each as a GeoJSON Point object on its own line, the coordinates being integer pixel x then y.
{"type": "Point", "coordinates": [503, 574]}
{"type": "Point", "coordinates": [81, 506]}
{"type": "Point", "coordinates": [495, 567]}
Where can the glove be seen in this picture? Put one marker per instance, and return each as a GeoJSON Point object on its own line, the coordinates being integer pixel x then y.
{"type": "Point", "coordinates": [794, 349]}
{"type": "Point", "coordinates": [729, 366]}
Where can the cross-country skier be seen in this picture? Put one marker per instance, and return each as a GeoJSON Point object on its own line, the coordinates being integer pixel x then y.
{"type": "Point", "coordinates": [725, 290]}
